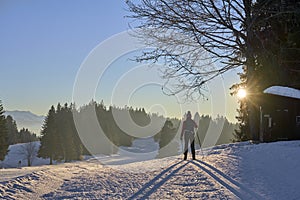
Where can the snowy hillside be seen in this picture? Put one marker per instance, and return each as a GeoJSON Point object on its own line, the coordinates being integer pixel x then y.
{"type": "Point", "coordinates": [26, 119]}
{"type": "Point", "coordinates": [233, 171]}
{"type": "Point", "coordinates": [17, 152]}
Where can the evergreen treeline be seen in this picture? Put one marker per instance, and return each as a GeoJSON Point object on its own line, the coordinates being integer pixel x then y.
{"type": "Point", "coordinates": [60, 139]}
{"type": "Point", "coordinates": [15, 136]}
{"type": "Point", "coordinates": [3, 134]}
{"type": "Point", "coordinates": [165, 138]}
{"type": "Point", "coordinates": [167, 133]}
{"type": "Point", "coordinates": [219, 127]}
{"type": "Point", "coordinates": [9, 133]}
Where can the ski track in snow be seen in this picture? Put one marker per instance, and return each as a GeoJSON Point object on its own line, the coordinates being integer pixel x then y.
{"type": "Point", "coordinates": [35, 184]}
{"type": "Point", "coordinates": [234, 171]}
{"type": "Point", "coordinates": [178, 180]}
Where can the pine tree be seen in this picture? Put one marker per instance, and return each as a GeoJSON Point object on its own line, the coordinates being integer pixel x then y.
{"type": "Point", "coordinates": [167, 134]}
{"type": "Point", "coordinates": [13, 136]}
{"type": "Point", "coordinates": [3, 134]}
{"type": "Point", "coordinates": [27, 136]}
{"type": "Point", "coordinates": [204, 124]}
{"type": "Point", "coordinates": [48, 139]}
{"type": "Point", "coordinates": [68, 135]}
{"type": "Point", "coordinates": [227, 132]}
{"type": "Point", "coordinates": [242, 133]}
{"type": "Point", "coordinates": [276, 48]}
{"type": "Point", "coordinates": [79, 149]}
{"type": "Point", "coordinates": [277, 43]}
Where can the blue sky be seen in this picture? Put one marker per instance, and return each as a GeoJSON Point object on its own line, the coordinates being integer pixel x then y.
{"type": "Point", "coordinates": [43, 44]}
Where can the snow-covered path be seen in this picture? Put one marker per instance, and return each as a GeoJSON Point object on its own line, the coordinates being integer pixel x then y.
{"type": "Point", "coordinates": [179, 180]}
{"type": "Point", "coordinates": [235, 171]}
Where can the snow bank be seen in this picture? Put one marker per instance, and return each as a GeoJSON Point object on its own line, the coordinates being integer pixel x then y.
{"type": "Point", "coordinates": [271, 170]}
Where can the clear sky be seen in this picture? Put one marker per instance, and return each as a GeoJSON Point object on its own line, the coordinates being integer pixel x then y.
{"type": "Point", "coordinates": [44, 43]}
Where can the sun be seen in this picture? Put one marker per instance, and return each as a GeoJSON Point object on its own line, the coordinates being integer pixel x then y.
{"type": "Point", "coordinates": [241, 93]}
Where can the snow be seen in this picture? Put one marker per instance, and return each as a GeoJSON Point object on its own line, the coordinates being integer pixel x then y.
{"type": "Point", "coordinates": [141, 149]}
{"type": "Point", "coordinates": [283, 91]}
{"type": "Point", "coordinates": [231, 171]}
{"type": "Point", "coordinates": [17, 153]}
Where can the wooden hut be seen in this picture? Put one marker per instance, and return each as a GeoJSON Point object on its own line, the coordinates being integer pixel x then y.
{"type": "Point", "coordinates": [280, 114]}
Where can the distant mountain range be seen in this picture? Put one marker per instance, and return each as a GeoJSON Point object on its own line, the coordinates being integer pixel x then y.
{"type": "Point", "coordinates": [27, 119]}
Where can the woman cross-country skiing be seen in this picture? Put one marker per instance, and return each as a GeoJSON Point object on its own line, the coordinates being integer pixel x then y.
{"type": "Point", "coordinates": [189, 135]}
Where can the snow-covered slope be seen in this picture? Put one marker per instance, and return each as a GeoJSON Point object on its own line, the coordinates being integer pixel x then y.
{"type": "Point", "coordinates": [18, 152]}
{"type": "Point", "coordinates": [234, 171]}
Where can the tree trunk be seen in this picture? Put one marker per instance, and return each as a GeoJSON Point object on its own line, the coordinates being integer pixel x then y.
{"type": "Point", "coordinates": [251, 87]}
{"type": "Point", "coordinates": [253, 123]}
{"type": "Point", "coordinates": [28, 162]}
{"type": "Point", "coordinates": [51, 160]}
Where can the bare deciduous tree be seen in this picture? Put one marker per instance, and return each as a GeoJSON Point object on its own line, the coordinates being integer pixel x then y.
{"type": "Point", "coordinates": [190, 37]}
{"type": "Point", "coordinates": [29, 151]}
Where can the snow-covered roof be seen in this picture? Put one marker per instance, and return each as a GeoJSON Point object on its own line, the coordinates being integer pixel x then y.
{"type": "Point", "coordinates": [283, 91]}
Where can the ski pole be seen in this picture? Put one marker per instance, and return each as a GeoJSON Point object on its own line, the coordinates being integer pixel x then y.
{"type": "Point", "coordinates": [182, 146]}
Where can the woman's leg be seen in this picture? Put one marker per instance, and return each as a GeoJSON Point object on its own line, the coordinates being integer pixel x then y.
{"type": "Point", "coordinates": [186, 144]}
{"type": "Point", "coordinates": [193, 147]}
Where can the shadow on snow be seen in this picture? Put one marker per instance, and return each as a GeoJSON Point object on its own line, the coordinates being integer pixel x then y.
{"type": "Point", "coordinates": [150, 187]}
{"type": "Point", "coordinates": [233, 186]}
